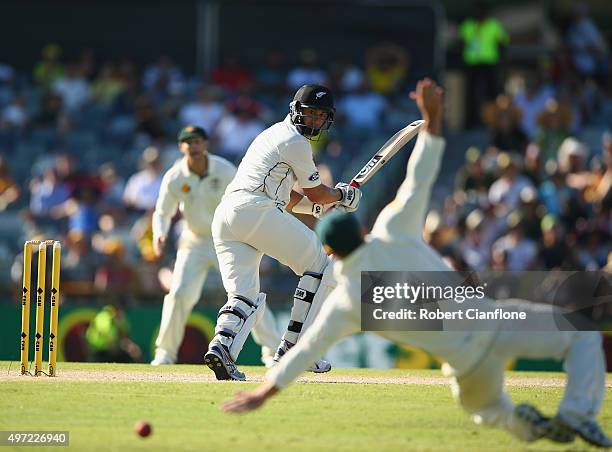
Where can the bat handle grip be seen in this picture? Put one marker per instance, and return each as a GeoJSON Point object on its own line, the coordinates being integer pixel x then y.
{"type": "Point", "coordinates": [354, 184]}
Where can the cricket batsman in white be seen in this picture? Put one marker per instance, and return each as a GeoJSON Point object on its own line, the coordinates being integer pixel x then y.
{"type": "Point", "coordinates": [252, 220]}
{"type": "Point", "coordinates": [194, 185]}
{"type": "Point", "coordinates": [474, 360]}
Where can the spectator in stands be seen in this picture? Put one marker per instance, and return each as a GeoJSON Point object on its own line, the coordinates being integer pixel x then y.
{"type": "Point", "coordinates": [47, 193]}
{"type": "Point", "coordinates": [602, 185]}
{"type": "Point", "coordinates": [232, 75]}
{"type": "Point", "coordinates": [502, 119]}
{"type": "Point", "coordinates": [125, 101]}
{"type": "Point", "coordinates": [309, 71]}
{"type": "Point", "coordinates": [571, 158]}
{"type": "Point", "coordinates": [554, 124]}
{"type": "Point", "coordinates": [473, 250]}
{"type": "Point", "coordinates": [554, 251]}
{"type": "Point", "coordinates": [386, 68]}
{"type": "Point", "coordinates": [143, 187]}
{"type": "Point", "coordinates": [88, 64]}
{"type": "Point", "coordinates": [531, 212]}
{"type": "Point", "coordinates": [335, 157]}
{"type": "Point", "coordinates": [533, 167]}
{"type": "Point", "coordinates": [113, 185]}
{"type": "Point", "coordinates": [271, 77]}
{"type": "Point", "coordinates": [587, 45]}
{"type": "Point", "coordinates": [9, 190]}
{"type": "Point", "coordinates": [15, 116]}
{"type": "Point", "coordinates": [115, 276]}
{"type": "Point", "coordinates": [49, 68]}
{"type": "Point", "coordinates": [346, 77]}
{"type": "Point", "coordinates": [553, 192]}
{"type": "Point", "coordinates": [82, 211]}
{"type": "Point", "coordinates": [49, 114]}
{"type": "Point", "coordinates": [520, 251]}
{"type": "Point", "coordinates": [484, 40]}
{"type": "Point", "coordinates": [163, 77]}
{"type": "Point", "coordinates": [7, 80]}
{"type": "Point", "coordinates": [74, 89]}
{"type": "Point", "coordinates": [79, 264]}
{"type": "Point", "coordinates": [148, 123]}
{"type": "Point", "coordinates": [506, 190]}
{"type": "Point", "coordinates": [531, 102]}
{"type": "Point", "coordinates": [75, 179]}
{"type": "Point", "coordinates": [363, 109]}
{"type": "Point", "coordinates": [205, 111]}
{"type": "Point", "coordinates": [107, 86]}
{"type": "Point", "coordinates": [592, 248]}
{"type": "Point", "coordinates": [238, 129]}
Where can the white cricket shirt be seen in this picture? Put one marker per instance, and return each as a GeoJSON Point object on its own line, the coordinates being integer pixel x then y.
{"type": "Point", "coordinates": [274, 161]}
{"type": "Point", "coordinates": [197, 198]}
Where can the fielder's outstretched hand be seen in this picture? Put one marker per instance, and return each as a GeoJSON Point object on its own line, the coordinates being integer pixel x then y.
{"type": "Point", "coordinates": [246, 401]}
{"type": "Point", "coordinates": [429, 98]}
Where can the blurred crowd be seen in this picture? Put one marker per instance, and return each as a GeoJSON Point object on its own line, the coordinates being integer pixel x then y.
{"type": "Point", "coordinates": [84, 143]}
{"type": "Point", "coordinates": [513, 211]}
{"type": "Point", "coordinates": [538, 194]}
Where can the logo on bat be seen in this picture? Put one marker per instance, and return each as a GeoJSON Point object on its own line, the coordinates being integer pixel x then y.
{"type": "Point", "coordinates": [368, 167]}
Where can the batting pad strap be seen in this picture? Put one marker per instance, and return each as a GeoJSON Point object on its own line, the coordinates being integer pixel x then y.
{"type": "Point", "coordinates": [226, 333]}
{"type": "Point", "coordinates": [245, 300]}
{"type": "Point", "coordinates": [295, 327]}
{"type": "Point", "coordinates": [233, 310]}
{"type": "Point", "coordinates": [314, 275]}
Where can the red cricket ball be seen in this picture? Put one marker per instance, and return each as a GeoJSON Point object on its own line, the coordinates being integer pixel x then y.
{"type": "Point", "coordinates": [143, 428]}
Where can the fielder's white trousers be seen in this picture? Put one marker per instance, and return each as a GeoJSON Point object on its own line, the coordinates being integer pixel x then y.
{"type": "Point", "coordinates": [481, 391]}
{"type": "Point", "coordinates": [195, 257]}
{"type": "Point", "coordinates": [247, 226]}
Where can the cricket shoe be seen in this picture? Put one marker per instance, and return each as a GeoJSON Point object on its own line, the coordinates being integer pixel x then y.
{"type": "Point", "coordinates": [222, 364]}
{"type": "Point", "coordinates": [529, 424]}
{"type": "Point", "coordinates": [560, 432]}
{"type": "Point", "coordinates": [588, 429]}
{"type": "Point", "coordinates": [320, 366]}
{"type": "Point", "coordinates": [161, 361]}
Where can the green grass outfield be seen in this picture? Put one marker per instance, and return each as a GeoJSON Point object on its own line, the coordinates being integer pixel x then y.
{"type": "Point", "coordinates": [347, 409]}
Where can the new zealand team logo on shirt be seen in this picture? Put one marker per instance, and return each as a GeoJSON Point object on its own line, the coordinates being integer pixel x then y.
{"type": "Point", "coordinates": [314, 176]}
{"type": "Point", "coordinates": [214, 184]}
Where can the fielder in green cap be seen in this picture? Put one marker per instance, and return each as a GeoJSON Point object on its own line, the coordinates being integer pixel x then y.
{"type": "Point", "coordinates": [340, 233]}
{"type": "Point", "coordinates": [192, 132]}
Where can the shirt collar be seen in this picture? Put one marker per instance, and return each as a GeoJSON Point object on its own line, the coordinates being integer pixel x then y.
{"type": "Point", "coordinates": [185, 171]}
{"type": "Point", "coordinates": [290, 124]}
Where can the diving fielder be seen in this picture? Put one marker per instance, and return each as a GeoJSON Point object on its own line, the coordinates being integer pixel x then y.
{"type": "Point", "coordinates": [475, 360]}
{"type": "Point", "coordinates": [195, 185]}
{"type": "Point", "coordinates": [252, 220]}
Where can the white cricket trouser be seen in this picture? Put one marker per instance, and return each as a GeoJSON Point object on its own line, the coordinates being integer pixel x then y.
{"type": "Point", "coordinates": [246, 227]}
{"type": "Point", "coordinates": [194, 258]}
{"type": "Point", "coordinates": [481, 391]}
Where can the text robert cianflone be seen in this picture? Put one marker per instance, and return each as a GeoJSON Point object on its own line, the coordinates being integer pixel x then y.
{"type": "Point", "coordinates": [439, 314]}
{"type": "Point", "coordinates": [414, 293]}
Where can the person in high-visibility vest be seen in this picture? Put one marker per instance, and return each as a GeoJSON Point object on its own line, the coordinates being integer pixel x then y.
{"type": "Point", "coordinates": [108, 340]}
{"type": "Point", "coordinates": [484, 40]}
